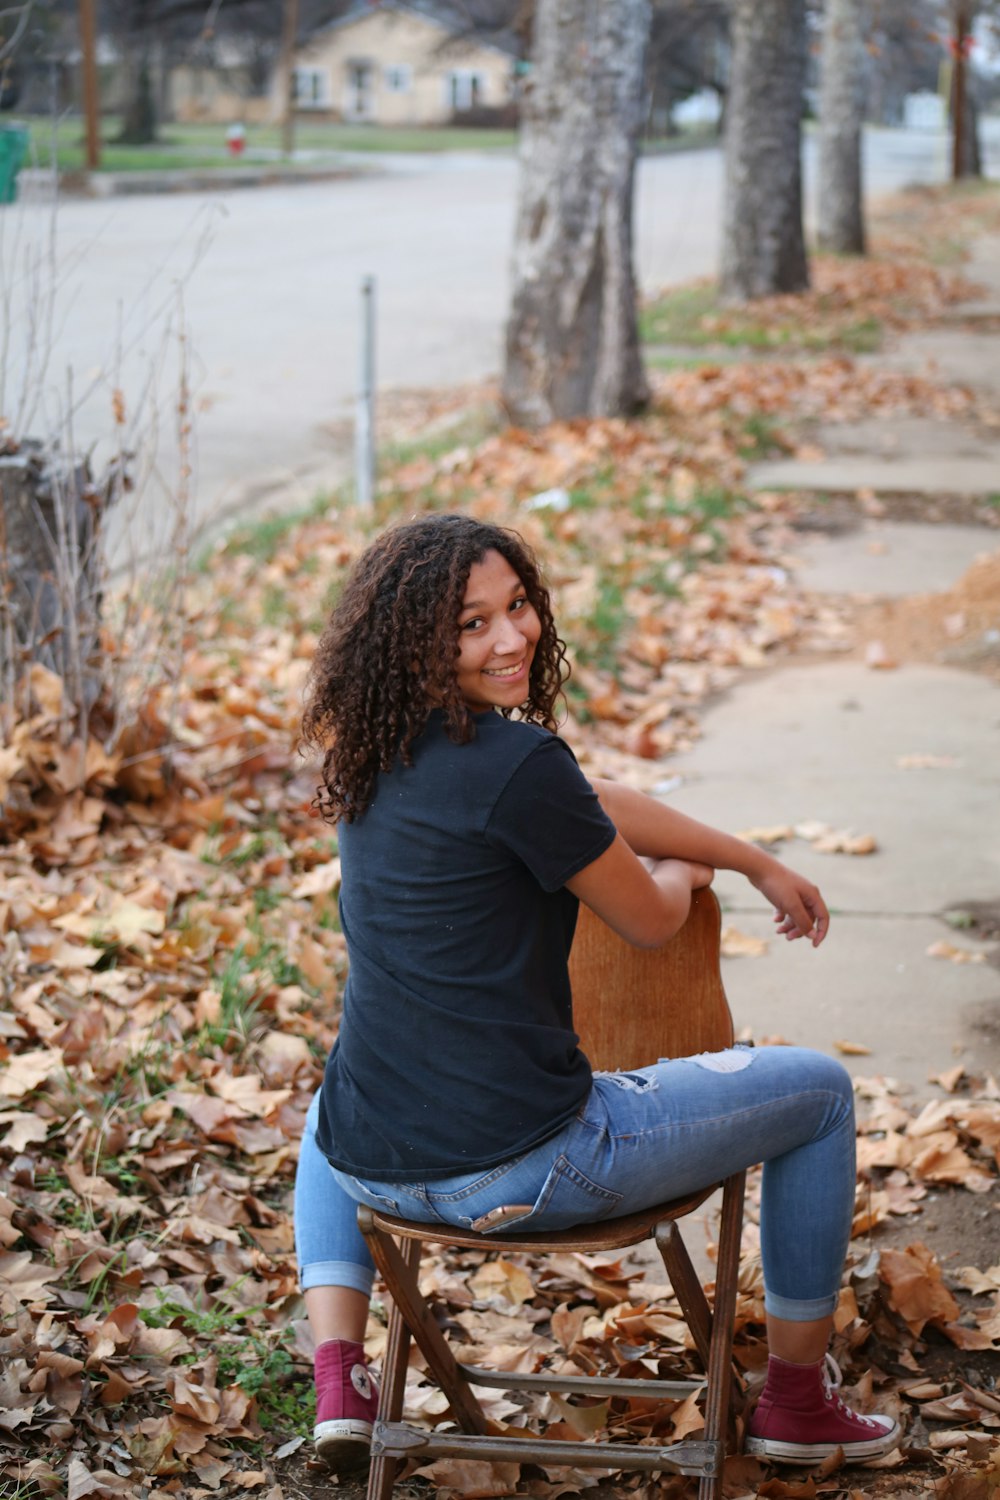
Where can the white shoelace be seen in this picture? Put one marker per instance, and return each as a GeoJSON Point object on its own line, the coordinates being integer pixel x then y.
{"type": "Point", "coordinates": [832, 1381]}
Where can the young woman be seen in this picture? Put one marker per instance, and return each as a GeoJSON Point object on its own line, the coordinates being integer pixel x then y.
{"type": "Point", "coordinates": [456, 1091]}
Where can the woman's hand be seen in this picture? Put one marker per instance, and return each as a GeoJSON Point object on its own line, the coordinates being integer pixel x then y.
{"type": "Point", "coordinates": [799, 909]}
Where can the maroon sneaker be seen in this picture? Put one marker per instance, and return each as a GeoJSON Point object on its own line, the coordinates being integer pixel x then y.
{"type": "Point", "coordinates": [346, 1405]}
{"type": "Point", "coordinates": [800, 1419]}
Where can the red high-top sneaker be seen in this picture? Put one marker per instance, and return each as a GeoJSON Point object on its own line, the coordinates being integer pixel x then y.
{"type": "Point", "coordinates": [346, 1405]}
{"type": "Point", "coordinates": [800, 1419]}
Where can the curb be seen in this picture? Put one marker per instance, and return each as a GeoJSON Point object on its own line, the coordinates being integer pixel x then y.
{"type": "Point", "coordinates": [40, 183]}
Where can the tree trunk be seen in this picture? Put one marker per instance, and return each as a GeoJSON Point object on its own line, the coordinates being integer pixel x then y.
{"type": "Point", "coordinates": [841, 104]}
{"type": "Point", "coordinates": [763, 248]}
{"type": "Point", "coordinates": [572, 336]}
{"type": "Point", "coordinates": [139, 111]}
{"type": "Point", "coordinates": [967, 158]}
{"type": "Point", "coordinates": [972, 155]}
{"type": "Point", "coordinates": [50, 574]}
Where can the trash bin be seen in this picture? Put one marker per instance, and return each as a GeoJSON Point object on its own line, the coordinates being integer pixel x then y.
{"type": "Point", "coordinates": [13, 150]}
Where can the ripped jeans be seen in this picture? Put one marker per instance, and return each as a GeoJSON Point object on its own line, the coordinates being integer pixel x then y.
{"type": "Point", "coordinates": [640, 1138]}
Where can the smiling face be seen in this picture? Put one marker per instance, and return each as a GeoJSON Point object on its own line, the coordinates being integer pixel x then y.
{"type": "Point", "coordinates": [498, 631]}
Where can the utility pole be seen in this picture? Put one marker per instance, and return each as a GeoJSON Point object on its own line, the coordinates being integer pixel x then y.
{"type": "Point", "coordinates": [960, 50]}
{"type": "Point", "coordinates": [91, 102]}
{"type": "Point", "coordinates": [289, 31]}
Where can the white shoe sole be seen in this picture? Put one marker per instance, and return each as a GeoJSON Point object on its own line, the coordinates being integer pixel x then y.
{"type": "Point", "coordinates": [343, 1444]}
{"type": "Point", "coordinates": [814, 1453]}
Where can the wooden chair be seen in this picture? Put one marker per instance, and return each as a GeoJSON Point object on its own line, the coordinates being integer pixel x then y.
{"type": "Point", "coordinates": [631, 1006]}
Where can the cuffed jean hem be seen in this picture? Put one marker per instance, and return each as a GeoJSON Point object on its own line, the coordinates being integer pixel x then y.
{"type": "Point", "coordinates": [337, 1273]}
{"type": "Point", "coordinates": [798, 1310]}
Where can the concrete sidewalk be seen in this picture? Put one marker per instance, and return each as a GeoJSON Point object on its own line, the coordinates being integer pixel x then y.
{"type": "Point", "coordinates": [824, 743]}
{"type": "Point", "coordinates": [830, 741]}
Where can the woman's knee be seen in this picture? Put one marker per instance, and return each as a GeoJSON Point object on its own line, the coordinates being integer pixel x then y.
{"type": "Point", "coordinates": [807, 1071]}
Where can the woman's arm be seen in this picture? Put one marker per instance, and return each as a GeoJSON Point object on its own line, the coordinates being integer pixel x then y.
{"type": "Point", "coordinates": [645, 906]}
{"type": "Point", "coordinates": [612, 886]}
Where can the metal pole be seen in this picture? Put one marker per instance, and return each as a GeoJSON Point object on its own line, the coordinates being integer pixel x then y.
{"type": "Point", "coordinates": [364, 430]}
{"type": "Point", "coordinates": [91, 103]}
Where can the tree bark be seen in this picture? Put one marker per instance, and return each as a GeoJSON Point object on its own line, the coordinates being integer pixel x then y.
{"type": "Point", "coordinates": [763, 247]}
{"type": "Point", "coordinates": [572, 335]}
{"type": "Point", "coordinates": [50, 574]}
{"type": "Point", "coordinates": [841, 103]}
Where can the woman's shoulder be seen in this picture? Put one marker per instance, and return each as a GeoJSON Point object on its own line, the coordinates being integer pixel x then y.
{"type": "Point", "coordinates": [516, 731]}
{"type": "Point", "coordinates": [516, 738]}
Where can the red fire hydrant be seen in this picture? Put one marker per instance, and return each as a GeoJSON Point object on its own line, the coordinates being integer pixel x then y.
{"type": "Point", "coordinates": [236, 139]}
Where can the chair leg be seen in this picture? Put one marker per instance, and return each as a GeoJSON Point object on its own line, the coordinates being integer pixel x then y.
{"type": "Point", "coordinates": [720, 1360]}
{"type": "Point", "coordinates": [382, 1473]}
{"type": "Point", "coordinates": [400, 1278]}
{"type": "Point", "coordinates": [687, 1288]}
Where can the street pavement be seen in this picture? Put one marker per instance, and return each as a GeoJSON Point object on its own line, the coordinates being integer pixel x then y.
{"type": "Point", "coordinates": [256, 293]}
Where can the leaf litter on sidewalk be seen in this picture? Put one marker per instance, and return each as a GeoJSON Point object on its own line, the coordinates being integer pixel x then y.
{"type": "Point", "coordinates": [172, 960]}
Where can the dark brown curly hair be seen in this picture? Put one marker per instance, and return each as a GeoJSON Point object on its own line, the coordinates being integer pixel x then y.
{"type": "Point", "coordinates": [388, 653]}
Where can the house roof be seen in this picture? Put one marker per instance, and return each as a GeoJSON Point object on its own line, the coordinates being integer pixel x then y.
{"type": "Point", "coordinates": [459, 18]}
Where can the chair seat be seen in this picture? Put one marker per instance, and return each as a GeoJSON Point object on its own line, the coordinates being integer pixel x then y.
{"type": "Point", "coordinates": [609, 1234]}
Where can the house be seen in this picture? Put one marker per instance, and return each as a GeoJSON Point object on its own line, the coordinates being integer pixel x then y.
{"type": "Point", "coordinates": [386, 62]}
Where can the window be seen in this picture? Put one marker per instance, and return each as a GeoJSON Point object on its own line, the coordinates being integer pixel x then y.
{"type": "Point", "coordinates": [399, 79]}
{"type": "Point", "coordinates": [311, 88]}
{"type": "Point", "coordinates": [464, 89]}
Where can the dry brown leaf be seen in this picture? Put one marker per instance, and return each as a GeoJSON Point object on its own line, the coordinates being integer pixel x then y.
{"type": "Point", "coordinates": [736, 944]}
{"type": "Point", "coordinates": [943, 949]}
{"type": "Point", "coordinates": [774, 834]}
{"type": "Point", "coordinates": [915, 1287]}
{"type": "Point", "coordinates": [471, 1477]}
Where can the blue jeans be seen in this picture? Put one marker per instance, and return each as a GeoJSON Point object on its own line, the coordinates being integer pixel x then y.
{"type": "Point", "coordinates": [639, 1139]}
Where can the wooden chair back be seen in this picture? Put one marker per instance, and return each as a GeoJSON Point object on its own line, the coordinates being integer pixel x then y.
{"type": "Point", "coordinates": [632, 1006]}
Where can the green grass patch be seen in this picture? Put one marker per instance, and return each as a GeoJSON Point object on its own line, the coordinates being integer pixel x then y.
{"type": "Point", "coordinates": [694, 316]}
{"type": "Point", "coordinates": [468, 431]}
{"type": "Point", "coordinates": [760, 437]}
{"type": "Point", "coordinates": [197, 147]}
{"type": "Point", "coordinates": [263, 540]}
{"type": "Point", "coordinates": [253, 1358]}
{"type": "Point", "coordinates": [655, 359]}
{"type": "Point", "coordinates": [676, 317]}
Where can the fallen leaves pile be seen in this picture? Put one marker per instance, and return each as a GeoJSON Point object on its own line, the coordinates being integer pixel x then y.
{"type": "Point", "coordinates": [171, 961]}
{"type": "Point", "coordinates": [909, 278]}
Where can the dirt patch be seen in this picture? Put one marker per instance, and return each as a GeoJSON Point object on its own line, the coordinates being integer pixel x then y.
{"type": "Point", "coordinates": [962, 1229]}
{"type": "Point", "coordinates": [980, 918]}
{"type": "Point", "coordinates": [835, 515]}
{"type": "Point", "coordinates": [958, 628]}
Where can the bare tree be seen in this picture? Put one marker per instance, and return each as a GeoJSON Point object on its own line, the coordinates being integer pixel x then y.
{"type": "Point", "coordinates": [763, 242]}
{"type": "Point", "coordinates": [903, 54]}
{"type": "Point", "coordinates": [572, 336]}
{"type": "Point", "coordinates": [841, 105]}
{"type": "Point", "coordinates": [688, 51]}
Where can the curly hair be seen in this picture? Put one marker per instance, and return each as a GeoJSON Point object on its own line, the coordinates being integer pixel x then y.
{"type": "Point", "coordinates": [388, 653]}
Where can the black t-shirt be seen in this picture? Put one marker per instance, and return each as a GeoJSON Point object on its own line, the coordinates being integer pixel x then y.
{"type": "Point", "coordinates": [456, 1048]}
